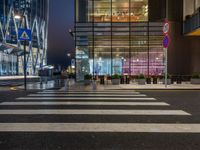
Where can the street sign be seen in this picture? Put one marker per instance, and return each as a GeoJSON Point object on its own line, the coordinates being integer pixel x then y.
{"type": "Point", "coordinates": [166, 28]}
{"type": "Point", "coordinates": [24, 35]}
{"type": "Point", "coordinates": [166, 41]}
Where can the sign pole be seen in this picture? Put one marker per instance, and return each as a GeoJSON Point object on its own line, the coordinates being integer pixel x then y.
{"type": "Point", "coordinates": [25, 65]}
{"type": "Point", "coordinates": [165, 51]}
{"type": "Point", "coordinates": [166, 42]}
{"type": "Point", "coordinates": [25, 35]}
{"type": "Point", "coordinates": [25, 79]}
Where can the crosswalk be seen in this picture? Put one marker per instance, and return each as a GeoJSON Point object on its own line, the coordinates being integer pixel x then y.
{"type": "Point", "coordinates": [91, 111]}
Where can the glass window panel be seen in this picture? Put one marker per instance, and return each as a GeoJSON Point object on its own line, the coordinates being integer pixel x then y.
{"type": "Point", "coordinates": [156, 55]}
{"type": "Point", "coordinates": [102, 52]}
{"type": "Point", "coordinates": [139, 61]}
{"type": "Point", "coordinates": [82, 62]}
{"type": "Point", "coordinates": [197, 4]}
{"type": "Point", "coordinates": [120, 11]}
{"type": "Point", "coordinates": [120, 60]}
{"type": "Point", "coordinates": [139, 10]}
{"type": "Point", "coordinates": [102, 60]}
{"type": "Point", "coordinates": [83, 10]}
{"type": "Point", "coordinates": [102, 10]}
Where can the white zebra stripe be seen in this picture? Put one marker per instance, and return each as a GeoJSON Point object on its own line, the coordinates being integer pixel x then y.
{"type": "Point", "coordinates": [84, 98]}
{"type": "Point", "coordinates": [88, 103]}
{"type": "Point", "coordinates": [100, 127]}
{"type": "Point", "coordinates": [86, 95]}
{"type": "Point", "coordinates": [91, 112]}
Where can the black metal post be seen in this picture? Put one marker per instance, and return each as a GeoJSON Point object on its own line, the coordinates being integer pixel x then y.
{"type": "Point", "coordinates": [25, 87]}
{"type": "Point", "coordinates": [25, 78]}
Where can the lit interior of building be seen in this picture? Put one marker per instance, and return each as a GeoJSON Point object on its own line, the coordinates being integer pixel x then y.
{"type": "Point", "coordinates": [116, 38]}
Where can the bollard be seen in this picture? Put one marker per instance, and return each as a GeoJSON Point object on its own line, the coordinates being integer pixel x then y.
{"type": "Point", "coordinates": [40, 80]}
{"type": "Point", "coordinates": [66, 84]}
{"type": "Point", "coordinates": [46, 79]}
{"type": "Point", "coordinates": [94, 85]}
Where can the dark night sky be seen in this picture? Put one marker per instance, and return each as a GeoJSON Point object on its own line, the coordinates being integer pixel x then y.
{"type": "Point", "coordinates": [61, 18]}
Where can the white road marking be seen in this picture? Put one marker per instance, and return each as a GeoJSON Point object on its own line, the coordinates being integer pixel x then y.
{"type": "Point", "coordinates": [100, 127]}
{"type": "Point", "coordinates": [82, 98]}
{"type": "Point", "coordinates": [91, 112]}
{"type": "Point", "coordinates": [88, 92]}
{"type": "Point", "coordinates": [111, 90]}
{"type": "Point", "coordinates": [86, 95]}
{"type": "Point", "coordinates": [88, 103]}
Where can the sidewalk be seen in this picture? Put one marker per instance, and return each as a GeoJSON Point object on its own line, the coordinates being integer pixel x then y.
{"type": "Point", "coordinates": [16, 80]}
{"type": "Point", "coordinates": [44, 86]}
{"type": "Point", "coordinates": [183, 86]}
{"type": "Point", "coordinates": [134, 86]}
{"type": "Point", "coordinates": [5, 78]}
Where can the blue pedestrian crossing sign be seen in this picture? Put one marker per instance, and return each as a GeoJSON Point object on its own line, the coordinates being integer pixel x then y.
{"type": "Point", "coordinates": [24, 35]}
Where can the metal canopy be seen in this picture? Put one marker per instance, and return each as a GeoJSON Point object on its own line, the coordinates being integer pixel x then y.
{"type": "Point", "coordinates": [10, 49]}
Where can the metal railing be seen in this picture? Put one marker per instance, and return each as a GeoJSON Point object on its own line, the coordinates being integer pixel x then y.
{"type": "Point", "coordinates": [191, 23]}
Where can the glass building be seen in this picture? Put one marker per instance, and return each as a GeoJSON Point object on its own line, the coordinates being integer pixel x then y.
{"type": "Point", "coordinates": [34, 15]}
{"type": "Point", "coordinates": [116, 37]}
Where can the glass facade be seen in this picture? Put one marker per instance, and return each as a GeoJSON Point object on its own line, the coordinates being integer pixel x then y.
{"type": "Point", "coordinates": [8, 64]}
{"type": "Point", "coordinates": [36, 14]}
{"type": "Point", "coordinates": [115, 37]}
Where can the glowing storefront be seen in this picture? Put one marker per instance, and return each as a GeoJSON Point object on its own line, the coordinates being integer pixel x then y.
{"type": "Point", "coordinates": [115, 37]}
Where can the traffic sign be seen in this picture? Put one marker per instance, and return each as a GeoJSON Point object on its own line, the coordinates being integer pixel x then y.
{"type": "Point", "coordinates": [166, 28]}
{"type": "Point", "coordinates": [24, 35]}
{"type": "Point", "coordinates": [166, 41]}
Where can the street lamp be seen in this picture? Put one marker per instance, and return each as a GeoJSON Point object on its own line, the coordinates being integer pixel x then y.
{"type": "Point", "coordinates": [69, 57]}
{"type": "Point", "coordinates": [17, 17]}
{"type": "Point", "coordinates": [68, 54]}
{"type": "Point", "coordinates": [24, 42]}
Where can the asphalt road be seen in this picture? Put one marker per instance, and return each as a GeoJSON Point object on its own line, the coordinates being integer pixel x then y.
{"type": "Point", "coordinates": [39, 139]}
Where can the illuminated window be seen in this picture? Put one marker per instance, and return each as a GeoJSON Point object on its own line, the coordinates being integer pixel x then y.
{"type": "Point", "coordinates": [139, 10]}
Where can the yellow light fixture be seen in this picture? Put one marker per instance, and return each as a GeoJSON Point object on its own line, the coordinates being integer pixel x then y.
{"type": "Point", "coordinates": [194, 33]}
{"type": "Point", "coordinates": [17, 17]}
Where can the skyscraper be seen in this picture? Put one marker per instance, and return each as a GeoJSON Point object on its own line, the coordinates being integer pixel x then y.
{"type": "Point", "coordinates": [36, 14]}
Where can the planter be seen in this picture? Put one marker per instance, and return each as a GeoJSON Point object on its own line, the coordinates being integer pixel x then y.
{"type": "Point", "coordinates": [169, 81]}
{"type": "Point", "coordinates": [179, 80]}
{"type": "Point", "coordinates": [115, 81]}
{"type": "Point", "coordinates": [155, 80]}
{"type": "Point", "coordinates": [122, 80]}
{"type": "Point", "coordinates": [127, 80]}
{"type": "Point", "coordinates": [102, 81]}
{"type": "Point", "coordinates": [188, 17]}
{"type": "Point", "coordinates": [173, 80]}
{"type": "Point", "coordinates": [195, 81]}
{"type": "Point", "coordinates": [141, 81]}
{"type": "Point", "coordinates": [148, 80]}
{"type": "Point", "coordinates": [87, 82]}
{"type": "Point", "coordinates": [71, 82]}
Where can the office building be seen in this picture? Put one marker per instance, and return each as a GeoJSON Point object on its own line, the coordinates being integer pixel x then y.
{"type": "Point", "coordinates": [125, 37]}
{"type": "Point", "coordinates": [116, 37]}
{"type": "Point", "coordinates": [15, 14]}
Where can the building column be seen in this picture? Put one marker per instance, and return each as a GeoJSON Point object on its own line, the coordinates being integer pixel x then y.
{"type": "Point", "coordinates": [0, 64]}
